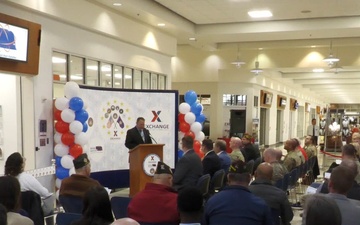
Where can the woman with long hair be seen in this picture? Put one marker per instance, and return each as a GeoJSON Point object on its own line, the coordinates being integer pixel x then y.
{"type": "Point", "coordinates": [97, 208]}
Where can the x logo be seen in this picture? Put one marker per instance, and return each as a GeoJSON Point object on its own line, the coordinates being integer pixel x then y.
{"type": "Point", "coordinates": [115, 133]}
{"type": "Point", "coordinates": [152, 157]}
{"type": "Point", "coordinates": [156, 116]}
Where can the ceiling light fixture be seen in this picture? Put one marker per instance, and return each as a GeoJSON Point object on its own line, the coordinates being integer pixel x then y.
{"type": "Point", "coordinates": [192, 39]}
{"type": "Point", "coordinates": [331, 59]}
{"type": "Point", "coordinates": [117, 4]}
{"type": "Point", "coordinates": [260, 14]}
{"type": "Point", "coordinates": [161, 24]}
{"type": "Point", "coordinates": [257, 69]}
{"type": "Point", "coordinates": [238, 62]}
{"type": "Point", "coordinates": [318, 70]}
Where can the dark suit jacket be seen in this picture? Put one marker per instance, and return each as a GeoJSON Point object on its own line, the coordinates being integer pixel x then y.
{"type": "Point", "coordinates": [187, 171]}
{"type": "Point", "coordinates": [133, 138]}
{"type": "Point", "coordinates": [211, 163]}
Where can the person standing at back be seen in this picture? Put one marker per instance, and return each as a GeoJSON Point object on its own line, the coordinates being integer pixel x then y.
{"type": "Point", "coordinates": [189, 168]}
{"type": "Point", "coordinates": [137, 135]}
{"type": "Point", "coordinates": [313, 130]}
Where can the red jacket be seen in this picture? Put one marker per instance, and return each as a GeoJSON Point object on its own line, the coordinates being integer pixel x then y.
{"type": "Point", "coordinates": [155, 204]}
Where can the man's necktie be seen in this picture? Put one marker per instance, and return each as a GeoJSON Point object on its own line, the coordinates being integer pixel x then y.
{"type": "Point", "coordinates": [142, 135]}
{"type": "Point", "coordinates": [313, 131]}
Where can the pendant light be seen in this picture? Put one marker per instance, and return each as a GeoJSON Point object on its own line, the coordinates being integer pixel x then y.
{"type": "Point", "coordinates": [238, 62]}
{"type": "Point", "coordinates": [257, 69]}
{"type": "Point", "coordinates": [331, 59]}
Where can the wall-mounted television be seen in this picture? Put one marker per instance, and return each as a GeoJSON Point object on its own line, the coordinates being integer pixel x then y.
{"type": "Point", "coordinates": [282, 102]}
{"type": "Point", "coordinates": [14, 41]}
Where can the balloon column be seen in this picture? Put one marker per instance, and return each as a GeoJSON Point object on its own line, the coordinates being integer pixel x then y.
{"type": "Point", "coordinates": [191, 119]}
{"type": "Point", "coordinates": [70, 136]}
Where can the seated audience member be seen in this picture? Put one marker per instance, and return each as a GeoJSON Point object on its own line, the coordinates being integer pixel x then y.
{"type": "Point", "coordinates": [235, 145]}
{"type": "Point", "coordinates": [309, 147]}
{"type": "Point", "coordinates": [355, 141]}
{"type": "Point", "coordinates": [270, 155]}
{"type": "Point", "coordinates": [301, 151]}
{"type": "Point", "coordinates": [220, 150]}
{"type": "Point", "coordinates": [249, 150]}
{"type": "Point", "coordinates": [211, 162]}
{"type": "Point", "coordinates": [274, 197]}
{"type": "Point", "coordinates": [157, 202]}
{"type": "Point", "coordinates": [235, 204]}
{"type": "Point", "coordinates": [189, 168]}
{"type": "Point", "coordinates": [190, 205]}
{"type": "Point", "coordinates": [125, 221]}
{"type": "Point", "coordinates": [3, 217]}
{"type": "Point", "coordinates": [341, 181]}
{"type": "Point", "coordinates": [10, 199]}
{"type": "Point", "coordinates": [320, 210]}
{"type": "Point", "coordinates": [14, 166]}
{"type": "Point", "coordinates": [97, 208]}
{"type": "Point", "coordinates": [77, 184]}
{"type": "Point", "coordinates": [293, 158]}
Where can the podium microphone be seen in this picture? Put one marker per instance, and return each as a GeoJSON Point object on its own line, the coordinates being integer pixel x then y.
{"type": "Point", "coordinates": [152, 138]}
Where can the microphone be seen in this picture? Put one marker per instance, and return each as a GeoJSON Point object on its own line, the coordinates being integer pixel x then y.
{"type": "Point", "coordinates": [152, 138]}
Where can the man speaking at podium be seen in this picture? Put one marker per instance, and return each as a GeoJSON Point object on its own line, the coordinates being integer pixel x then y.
{"type": "Point", "coordinates": [137, 135]}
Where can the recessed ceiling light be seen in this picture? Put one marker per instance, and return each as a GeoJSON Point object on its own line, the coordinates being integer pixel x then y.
{"type": "Point", "coordinates": [192, 39]}
{"type": "Point", "coordinates": [117, 4]}
{"type": "Point", "coordinates": [161, 24]}
{"type": "Point", "coordinates": [318, 70]}
{"type": "Point", "coordinates": [313, 46]}
{"type": "Point", "coordinates": [260, 14]}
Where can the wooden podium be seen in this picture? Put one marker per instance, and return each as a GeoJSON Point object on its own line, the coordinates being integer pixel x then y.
{"type": "Point", "coordinates": [143, 161]}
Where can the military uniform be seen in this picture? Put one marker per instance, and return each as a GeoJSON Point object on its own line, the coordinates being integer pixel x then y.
{"type": "Point", "coordinates": [310, 150]}
{"type": "Point", "coordinates": [236, 155]}
{"type": "Point", "coordinates": [279, 171]}
{"type": "Point", "coordinates": [292, 160]}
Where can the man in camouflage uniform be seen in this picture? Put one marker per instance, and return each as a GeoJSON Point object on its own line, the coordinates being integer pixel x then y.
{"type": "Point", "coordinates": [309, 147]}
{"type": "Point", "coordinates": [279, 170]}
{"type": "Point", "coordinates": [235, 144]}
{"type": "Point", "coordinates": [292, 159]}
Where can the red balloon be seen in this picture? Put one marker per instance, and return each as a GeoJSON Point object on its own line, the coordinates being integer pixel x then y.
{"type": "Point", "coordinates": [75, 150]}
{"type": "Point", "coordinates": [184, 127]}
{"type": "Point", "coordinates": [197, 146]}
{"type": "Point", "coordinates": [191, 134]}
{"type": "Point", "coordinates": [181, 118]}
{"type": "Point", "coordinates": [61, 126]}
{"type": "Point", "coordinates": [200, 154]}
{"type": "Point", "coordinates": [68, 139]}
{"type": "Point", "coordinates": [57, 114]}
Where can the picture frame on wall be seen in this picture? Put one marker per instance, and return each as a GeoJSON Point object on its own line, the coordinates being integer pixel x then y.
{"type": "Point", "coordinates": [268, 98]}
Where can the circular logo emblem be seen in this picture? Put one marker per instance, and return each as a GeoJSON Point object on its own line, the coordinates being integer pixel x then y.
{"type": "Point", "coordinates": [150, 163]}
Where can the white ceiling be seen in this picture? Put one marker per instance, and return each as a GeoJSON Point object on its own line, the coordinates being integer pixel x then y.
{"type": "Point", "coordinates": [220, 24]}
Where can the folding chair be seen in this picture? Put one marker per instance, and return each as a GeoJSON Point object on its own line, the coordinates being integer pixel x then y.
{"type": "Point", "coordinates": [67, 218]}
{"type": "Point", "coordinates": [71, 204]}
{"type": "Point", "coordinates": [217, 181]}
{"type": "Point", "coordinates": [119, 206]}
{"type": "Point", "coordinates": [203, 184]}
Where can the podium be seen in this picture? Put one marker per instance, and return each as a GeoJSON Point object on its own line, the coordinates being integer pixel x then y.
{"type": "Point", "coordinates": [143, 161]}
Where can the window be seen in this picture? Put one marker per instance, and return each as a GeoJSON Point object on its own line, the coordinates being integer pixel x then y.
{"type": "Point", "coordinates": [92, 72]}
{"type": "Point", "coordinates": [137, 79]}
{"type": "Point", "coordinates": [118, 76]}
{"type": "Point", "coordinates": [154, 81]}
{"type": "Point", "coordinates": [77, 69]}
{"type": "Point", "coordinates": [146, 80]}
{"type": "Point", "coordinates": [128, 78]}
{"type": "Point", "coordinates": [231, 100]}
{"type": "Point", "coordinates": [59, 64]}
{"type": "Point", "coordinates": [106, 75]}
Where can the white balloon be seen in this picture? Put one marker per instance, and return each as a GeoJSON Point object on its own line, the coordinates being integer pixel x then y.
{"type": "Point", "coordinates": [184, 108]}
{"type": "Point", "coordinates": [200, 136]}
{"type": "Point", "coordinates": [71, 89]}
{"type": "Point", "coordinates": [58, 183]}
{"type": "Point", "coordinates": [181, 135]}
{"type": "Point", "coordinates": [72, 171]}
{"type": "Point", "coordinates": [62, 103]}
{"type": "Point", "coordinates": [57, 194]}
{"type": "Point", "coordinates": [81, 139]}
{"type": "Point", "coordinates": [85, 104]}
{"type": "Point", "coordinates": [196, 127]}
{"type": "Point", "coordinates": [67, 161]}
{"type": "Point", "coordinates": [190, 117]}
{"type": "Point", "coordinates": [76, 127]}
{"type": "Point", "coordinates": [68, 115]}
{"type": "Point", "coordinates": [57, 138]}
{"type": "Point", "coordinates": [61, 149]}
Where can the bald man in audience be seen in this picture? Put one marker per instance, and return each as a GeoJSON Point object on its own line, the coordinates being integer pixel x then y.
{"type": "Point", "coordinates": [125, 221]}
{"type": "Point", "coordinates": [274, 197]}
{"type": "Point", "coordinates": [270, 156]}
{"type": "Point", "coordinates": [341, 181]}
{"type": "Point", "coordinates": [293, 157]}
{"type": "Point", "coordinates": [157, 202]}
{"type": "Point", "coordinates": [235, 145]}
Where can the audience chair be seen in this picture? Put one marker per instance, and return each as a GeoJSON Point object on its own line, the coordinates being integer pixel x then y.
{"type": "Point", "coordinates": [31, 203]}
{"type": "Point", "coordinates": [294, 176]}
{"type": "Point", "coordinates": [217, 181]}
{"type": "Point", "coordinates": [203, 184]}
{"type": "Point", "coordinates": [250, 166]}
{"type": "Point", "coordinates": [119, 206]}
{"type": "Point", "coordinates": [256, 164]}
{"type": "Point", "coordinates": [67, 218]}
{"type": "Point", "coordinates": [71, 204]}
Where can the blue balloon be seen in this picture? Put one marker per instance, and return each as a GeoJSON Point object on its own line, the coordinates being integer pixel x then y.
{"type": "Point", "coordinates": [81, 116]}
{"type": "Point", "coordinates": [180, 154]}
{"type": "Point", "coordinates": [85, 127]}
{"type": "Point", "coordinates": [200, 118]}
{"type": "Point", "coordinates": [190, 97]}
{"type": "Point", "coordinates": [196, 108]}
{"type": "Point", "coordinates": [61, 172]}
{"type": "Point", "coordinates": [76, 103]}
{"type": "Point", "coordinates": [57, 160]}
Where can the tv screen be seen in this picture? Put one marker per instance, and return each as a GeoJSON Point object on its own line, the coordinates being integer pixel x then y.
{"type": "Point", "coordinates": [282, 102]}
{"type": "Point", "coordinates": [13, 42]}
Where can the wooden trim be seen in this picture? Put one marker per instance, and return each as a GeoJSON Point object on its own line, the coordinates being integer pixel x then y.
{"type": "Point", "coordinates": [266, 99]}
{"type": "Point", "coordinates": [31, 67]}
{"type": "Point", "coordinates": [318, 110]}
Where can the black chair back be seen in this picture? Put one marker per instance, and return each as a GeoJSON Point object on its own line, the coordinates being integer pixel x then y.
{"type": "Point", "coordinates": [67, 218]}
{"type": "Point", "coordinates": [31, 203]}
{"type": "Point", "coordinates": [119, 206]}
{"type": "Point", "coordinates": [217, 181]}
{"type": "Point", "coordinates": [71, 204]}
{"type": "Point", "coordinates": [204, 183]}
{"type": "Point", "coordinates": [250, 166]}
{"type": "Point", "coordinates": [276, 216]}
